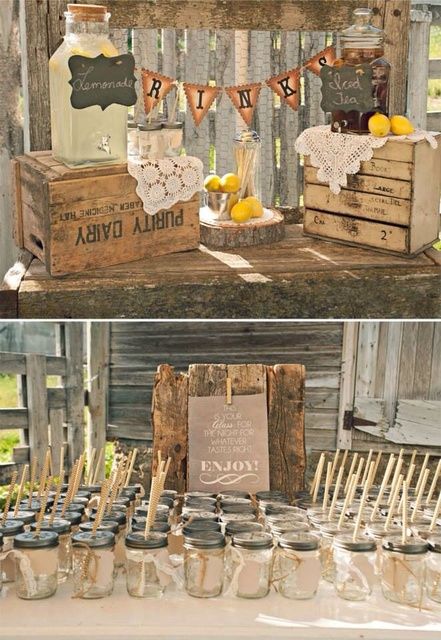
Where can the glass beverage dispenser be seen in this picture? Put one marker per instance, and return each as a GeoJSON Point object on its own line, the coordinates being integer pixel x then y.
{"type": "Point", "coordinates": [89, 136]}
{"type": "Point", "coordinates": [362, 43]}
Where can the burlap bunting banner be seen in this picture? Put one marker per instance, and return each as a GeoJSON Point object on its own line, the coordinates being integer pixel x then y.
{"type": "Point", "coordinates": [244, 97]}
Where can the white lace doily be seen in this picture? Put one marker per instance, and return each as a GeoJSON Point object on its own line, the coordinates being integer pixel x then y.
{"type": "Point", "coordinates": [336, 155]}
{"type": "Point", "coordinates": [164, 182]}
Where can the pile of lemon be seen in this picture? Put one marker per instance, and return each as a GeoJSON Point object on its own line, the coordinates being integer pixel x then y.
{"type": "Point", "coordinates": [380, 125]}
{"type": "Point", "coordinates": [240, 210]}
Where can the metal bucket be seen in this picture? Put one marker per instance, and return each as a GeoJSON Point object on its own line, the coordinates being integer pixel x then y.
{"type": "Point", "coordinates": [217, 203]}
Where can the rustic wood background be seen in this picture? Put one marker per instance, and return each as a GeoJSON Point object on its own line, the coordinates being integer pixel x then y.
{"type": "Point", "coordinates": [284, 386]}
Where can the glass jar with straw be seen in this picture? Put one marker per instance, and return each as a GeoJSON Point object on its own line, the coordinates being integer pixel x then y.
{"type": "Point", "coordinates": [247, 147]}
{"type": "Point", "coordinates": [9, 529]}
{"type": "Point", "coordinates": [204, 564]}
{"type": "Point", "coordinates": [147, 566]}
{"type": "Point", "coordinates": [63, 528]}
{"type": "Point", "coordinates": [433, 569]}
{"type": "Point", "coordinates": [402, 578]}
{"type": "Point", "coordinates": [355, 560]}
{"type": "Point", "coordinates": [36, 556]}
{"type": "Point", "coordinates": [296, 571]}
{"type": "Point", "coordinates": [93, 564]}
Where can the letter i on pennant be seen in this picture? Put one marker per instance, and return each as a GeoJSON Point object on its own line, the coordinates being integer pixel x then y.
{"type": "Point", "coordinates": [200, 98]}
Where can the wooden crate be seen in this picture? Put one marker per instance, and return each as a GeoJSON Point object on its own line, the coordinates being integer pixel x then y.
{"type": "Point", "coordinates": [79, 219]}
{"type": "Point", "coordinates": [391, 205]}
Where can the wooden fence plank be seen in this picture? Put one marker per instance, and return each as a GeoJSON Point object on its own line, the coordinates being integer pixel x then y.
{"type": "Point", "coordinates": [407, 360]}
{"type": "Point", "coordinates": [421, 382]}
{"type": "Point", "coordinates": [286, 432]}
{"type": "Point", "coordinates": [419, 45]}
{"type": "Point", "coordinates": [347, 384]}
{"type": "Point", "coordinates": [38, 416]}
{"type": "Point", "coordinates": [225, 121]}
{"type": "Point", "coordinates": [145, 51]}
{"type": "Point", "coordinates": [98, 336]}
{"type": "Point", "coordinates": [367, 358]}
{"type": "Point", "coordinates": [56, 430]}
{"type": "Point", "coordinates": [395, 332]}
{"type": "Point", "coordinates": [312, 113]}
{"type": "Point", "coordinates": [13, 418]}
{"type": "Point", "coordinates": [435, 375]}
{"type": "Point", "coordinates": [15, 363]}
{"type": "Point", "coordinates": [74, 382]}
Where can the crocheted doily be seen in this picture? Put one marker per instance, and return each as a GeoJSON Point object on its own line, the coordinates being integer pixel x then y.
{"type": "Point", "coordinates": [337, 155]}
{"type": "Point", "coordinates": [164, 182]}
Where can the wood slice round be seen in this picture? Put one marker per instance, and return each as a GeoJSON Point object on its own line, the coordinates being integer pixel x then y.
{"type": "Point", "coordinates": [226, 234]}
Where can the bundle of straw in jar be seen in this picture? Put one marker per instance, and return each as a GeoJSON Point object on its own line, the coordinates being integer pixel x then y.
{"type": "Point", "coordinates": [247, 150]}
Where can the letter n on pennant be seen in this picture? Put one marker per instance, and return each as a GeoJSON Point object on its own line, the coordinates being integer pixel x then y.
{"type": "Point", "coordinates": [245, 97]}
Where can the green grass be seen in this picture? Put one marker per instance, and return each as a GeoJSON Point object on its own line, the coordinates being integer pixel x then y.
{"type": "Point", "coordinates": [434, 91]}
{"type": "Point", "coordinates": [8, 398]}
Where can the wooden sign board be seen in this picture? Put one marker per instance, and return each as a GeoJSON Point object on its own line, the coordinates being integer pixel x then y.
{"type": "Point", "coordinates": [282, 387]}
{"type": "Point", "coordinates": [228, 443]}
{"type": "Point", "coordinates": [347, 88]}
{"type": "Point", "coordinates": [102, 81]}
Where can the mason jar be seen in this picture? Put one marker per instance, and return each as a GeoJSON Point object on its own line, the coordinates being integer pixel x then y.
{"type": "Point", "coordinates": [327, 532]}
{"type": "Point", "coordinates": [9, 530]}
{"type": "Point", "coordinates": [120, 518]}
{"type": "Point", "coordinates": [297, 566]}
{"type": "Point", "coordinates": [63, 528]}
{"type": "Point", "coordinates": [27, 517]}
{"type": "Point", "coordinates": [280, 528]}
{"type": "Point", "coordinates": [147, 563]}
{"type": "Point", "coordinates": [403, 574]}
{"type": "Point", "coordinates": [241, 526]}
{"type": "Point", "coordinates": [247, 150]}
{"type": "Point", "coordinates": [172, 133]}
{"type": "Point", "coordinates": [74, 517]}
{"type": "Point", "coordinates": [150, 141]}
{"type": "Point", "coordinates": [204, 564]}
{"type": "Point", "coordinates": [158, 526]}
{"type": "Point", "coordinates": [433, 569]}
{"type": "Point", "coordinates": [196, 526]}
{"type": "Point", "coordinates": [36, 559]}
{"type": "Point", "coordinates": [377, 532]}
{"type": "Point", "coordinates": [249, 563]}
{"type": "Point", "coordinates": [354, 566]}
{"type": "Point", "coordinates": [93, 564]}
{"type": "Point", "coordinates": [132, 139]}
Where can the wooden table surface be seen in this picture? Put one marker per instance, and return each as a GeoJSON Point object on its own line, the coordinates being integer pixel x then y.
{"type": "Point", "coordinates": [177, 616]}
{"type": "Point", "coordinates": [298, 277]}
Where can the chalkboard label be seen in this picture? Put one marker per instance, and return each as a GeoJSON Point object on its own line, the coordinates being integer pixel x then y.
{"type": "Point", "coordinates": [347, 88]}
{"type": "Point", "coordinates": [102, 81]}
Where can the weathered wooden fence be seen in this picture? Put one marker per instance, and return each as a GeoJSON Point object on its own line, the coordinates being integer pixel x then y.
{"type": "Point", "coordinates": [47, 415]}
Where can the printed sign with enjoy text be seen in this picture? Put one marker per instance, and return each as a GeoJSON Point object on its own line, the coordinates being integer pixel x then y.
{"type": "Point", "coordinates": [228, 444]}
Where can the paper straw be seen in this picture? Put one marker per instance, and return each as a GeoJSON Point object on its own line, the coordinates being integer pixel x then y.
{"type": "Point", "coordinates": [404, 523]}
{"type": "Point", "coordinates": [155, 494]}
{"type": "Point", "coordinates": [131, 466]}
{"type": "Point", "coordinates": [70, 488]}
{"type": "Point", "coordinates": [351, 471]}
{"type": "Point", "coordinates": [377, 462]}
{"type": "Point", "coordinates": [105, 487]}
{"type": "Point", "coordinates": [434, 481]}
{"type": "Point", "coordinates": [345, 457]}
{"type": "Point", "coordinates": [61, 471]}
{"type": "Point", "coordinates": [319, 477]}
{"type": "Point", "coordinates": [367, 467]}
{"type": "Point", "coordinates": [314, 482]}
{"type": "Point", "coordinates": [411, 462]}
{"type": "Point", "coordinates": [363, 502]}
{"type": "Point", "coordinates": [395, 477]}
{"type": "Point", "coordinates": [115, 486]}
{"type": "Point", "coordinates": [336, 492]}
{"type": "Point", "coordinates": [435, 513]}
{"type": "Point", "coordinates": [42, 511]}
{"type": "Point", "coordinates": [383, 485]}
{"type": "Point", "coordinates": [393, 503]}
{"type": "Point", "coordinates": [21, 489]}
{"type": "Point", "coordinates": [346, 503]}
{"type": "Point", "coordinates": [79, 473]}
{"type": "Point", "coordinates": [334, 463]}
{"type": "Point", "coordinates": [420, 495]}
{"type": "Point", "coordinates": [90, 466]}
{"type": "Point", "coordinates": [327, 484]}
{"type": "Point", "coordinates": [408, 481]}
{"type": "Point", "coordinates": [56, 498]}
{"type": "Point", "coordinates": [9, 497]}
{"type": "Point", "coordinates": [43, 474]}
{"type": "Point", "coordinates": [357, 477]}
{"type": "Point", "coordinates": [98, 465]}
{"type": "Point", "coordinates": [32, 479]}
{"type": "Point", "coordinates": [422, 470]}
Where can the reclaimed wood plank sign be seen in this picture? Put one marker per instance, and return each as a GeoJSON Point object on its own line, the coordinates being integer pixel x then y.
{"type": "Point", "coordinates": [102, 81]}
{"type": "Point", "coordinates": [228, 443]}
{"type": "Point", "coordinates": [347, 88]}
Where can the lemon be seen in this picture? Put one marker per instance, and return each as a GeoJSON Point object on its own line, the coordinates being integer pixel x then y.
{"type": "Point", "coordinates": [379, 125]}
{"type": "Point", "coordinates": [241, 212]}
{"type": "Point", "coordinates": [232, 200]}
{"type": "Point", "coordinates": [401, 126]}
{"type": "Point", "coordinates": [230, 183]}
{"type": "Point", "coordinates": [256, 206]}
{"type": "Point", "coordinates": [212, 183]}
{"type": "Point", "coordinates": [108, 49]}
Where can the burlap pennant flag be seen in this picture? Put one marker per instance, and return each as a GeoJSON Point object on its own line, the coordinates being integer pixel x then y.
{"type": "Point", "coordinates": [200, 97]}
{"type": "Point", "coordinates": [245, 97]}
{"type": "Point", "coordinates": [287, 86]}
{"type": "Point", "coordinates": [327, 56]}
{"type": "Point", "coordinates": [155, 87]}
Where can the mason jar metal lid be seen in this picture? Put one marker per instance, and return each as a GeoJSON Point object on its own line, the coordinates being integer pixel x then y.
{"type": "Point", "coordinates": [122, 500]}
{"type": "Point", "coordinates": [80, 508]}
{"type": "Point", "coordinates": [204, 500]}
{"type": "Point", "coordinates": [330, 529]}
{"type": "Point", "coordinates": [434, 543]}
{"type": "Point", "coordinates": [247, 135]}
{"type": "Point", "coordinates": [205, 540]}
{"type": "Point", "coordinates": [199, 515]}
{"type": "Point", "coordinates": [161, 527]}
{"type": "Point", "coordinates": [238, 508]}
{"type": "Point", "coordinates": [271, 495]}
{"type": "Point", "coordinates": [154, 540]}
{"type": "Point", "coordinates": [238, 517]}
{"type": "Point", "coordinates": [106, 525]}
{"type": "Point", "coordinates": [233, 494]}
{"type": "Point", "coordinates": [285, 526]}
{"type": "Point", "coordinates": [299, 541]}
{"type": "Point", "coordinates": [81, 500]}
{"type": "Point", "coordinates": [99, 539]}
{"type": "Point", "coordinates": [117, 516]}
{"type": "Point", "coordinates": [91, 488]}
{"type": "Point", "coordinates": [129, 493]}
{"type": "Point", "coordinates": [197, 506]}
{"type": "Point", "coordinates": [377, 530]}
{"type": "Point", "coordinates": [232, 500]}
{"type": "Point", "coordinates": [253, 540]}
{"type": "Point", "coordinates": [236, 527]}
{"type": "Point", "coordinates": [199, 494]}
{"type": "Point", "coordinates": [362, 34]}
{"type": "Point", "coordinates": [169, 492]}
{"type": "Point", "coordinates": [36, 504]}
{"type": "Point", "coordinates": [173, 125]}
{"type": "Point", "coordinates": [279, 508]}
{"type": "Point", "coordinates": [361, 543]}
{"type": "Point", "coordinates": [59, 525]}
{"type": "Point", "coordinates": [150, 126]}
{"type": "Point", "coordinates": [200, 525]}
{"type": "Point", "coordinates": [286, 517]}
{"type": "Point", "coordinates": [74, 517]}
{"type": "Point", "coordinates": [30, 540]}
{"type": "Point", "coordinates": [25, 516]}
{"type": "Point", "coordinates": [168, 501]}
{"type": "Point", "coordinates": [412, 546]}
{"type": "Point", "coordinates": [12, 527]}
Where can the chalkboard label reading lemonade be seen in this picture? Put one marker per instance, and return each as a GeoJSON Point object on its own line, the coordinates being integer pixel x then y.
{"type": "Point", "coordinates": [347, 88]}
{"type": "Point", "coordinates": [102, 81]}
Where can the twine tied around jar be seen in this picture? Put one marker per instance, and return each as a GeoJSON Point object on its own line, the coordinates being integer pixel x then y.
{"type": "Point", "coordinates": [289, 555]}
{"type": "Point", "coordinates": [203, 560]}
{"type": "Point", "coordinates": [161, 566]}
{"type": "Point", "coordinates": [88, 575]}
{"type": "Point", "coordinates": [237, 554]}
{"type": "Point", "coordinates": [352, 569]}
{"type": "Point", "coordinates": [25, 569]}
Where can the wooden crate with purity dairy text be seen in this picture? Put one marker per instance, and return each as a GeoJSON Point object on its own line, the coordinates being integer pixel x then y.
{"type": "Point", "coordinates": [392, 204]}
{"type": "Point", "coordinates": [79, 219]}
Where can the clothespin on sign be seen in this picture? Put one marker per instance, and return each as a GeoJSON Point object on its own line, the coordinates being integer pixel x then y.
{"type": "Point", "coordinates": [229, 393]}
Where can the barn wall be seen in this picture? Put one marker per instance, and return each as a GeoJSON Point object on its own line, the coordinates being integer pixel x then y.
{"type": "Point", "coordinates": [136, 349]}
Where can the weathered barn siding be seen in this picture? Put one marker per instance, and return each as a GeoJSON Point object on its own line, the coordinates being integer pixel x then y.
{"type": "Point", "coordinates": [136, 349]}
